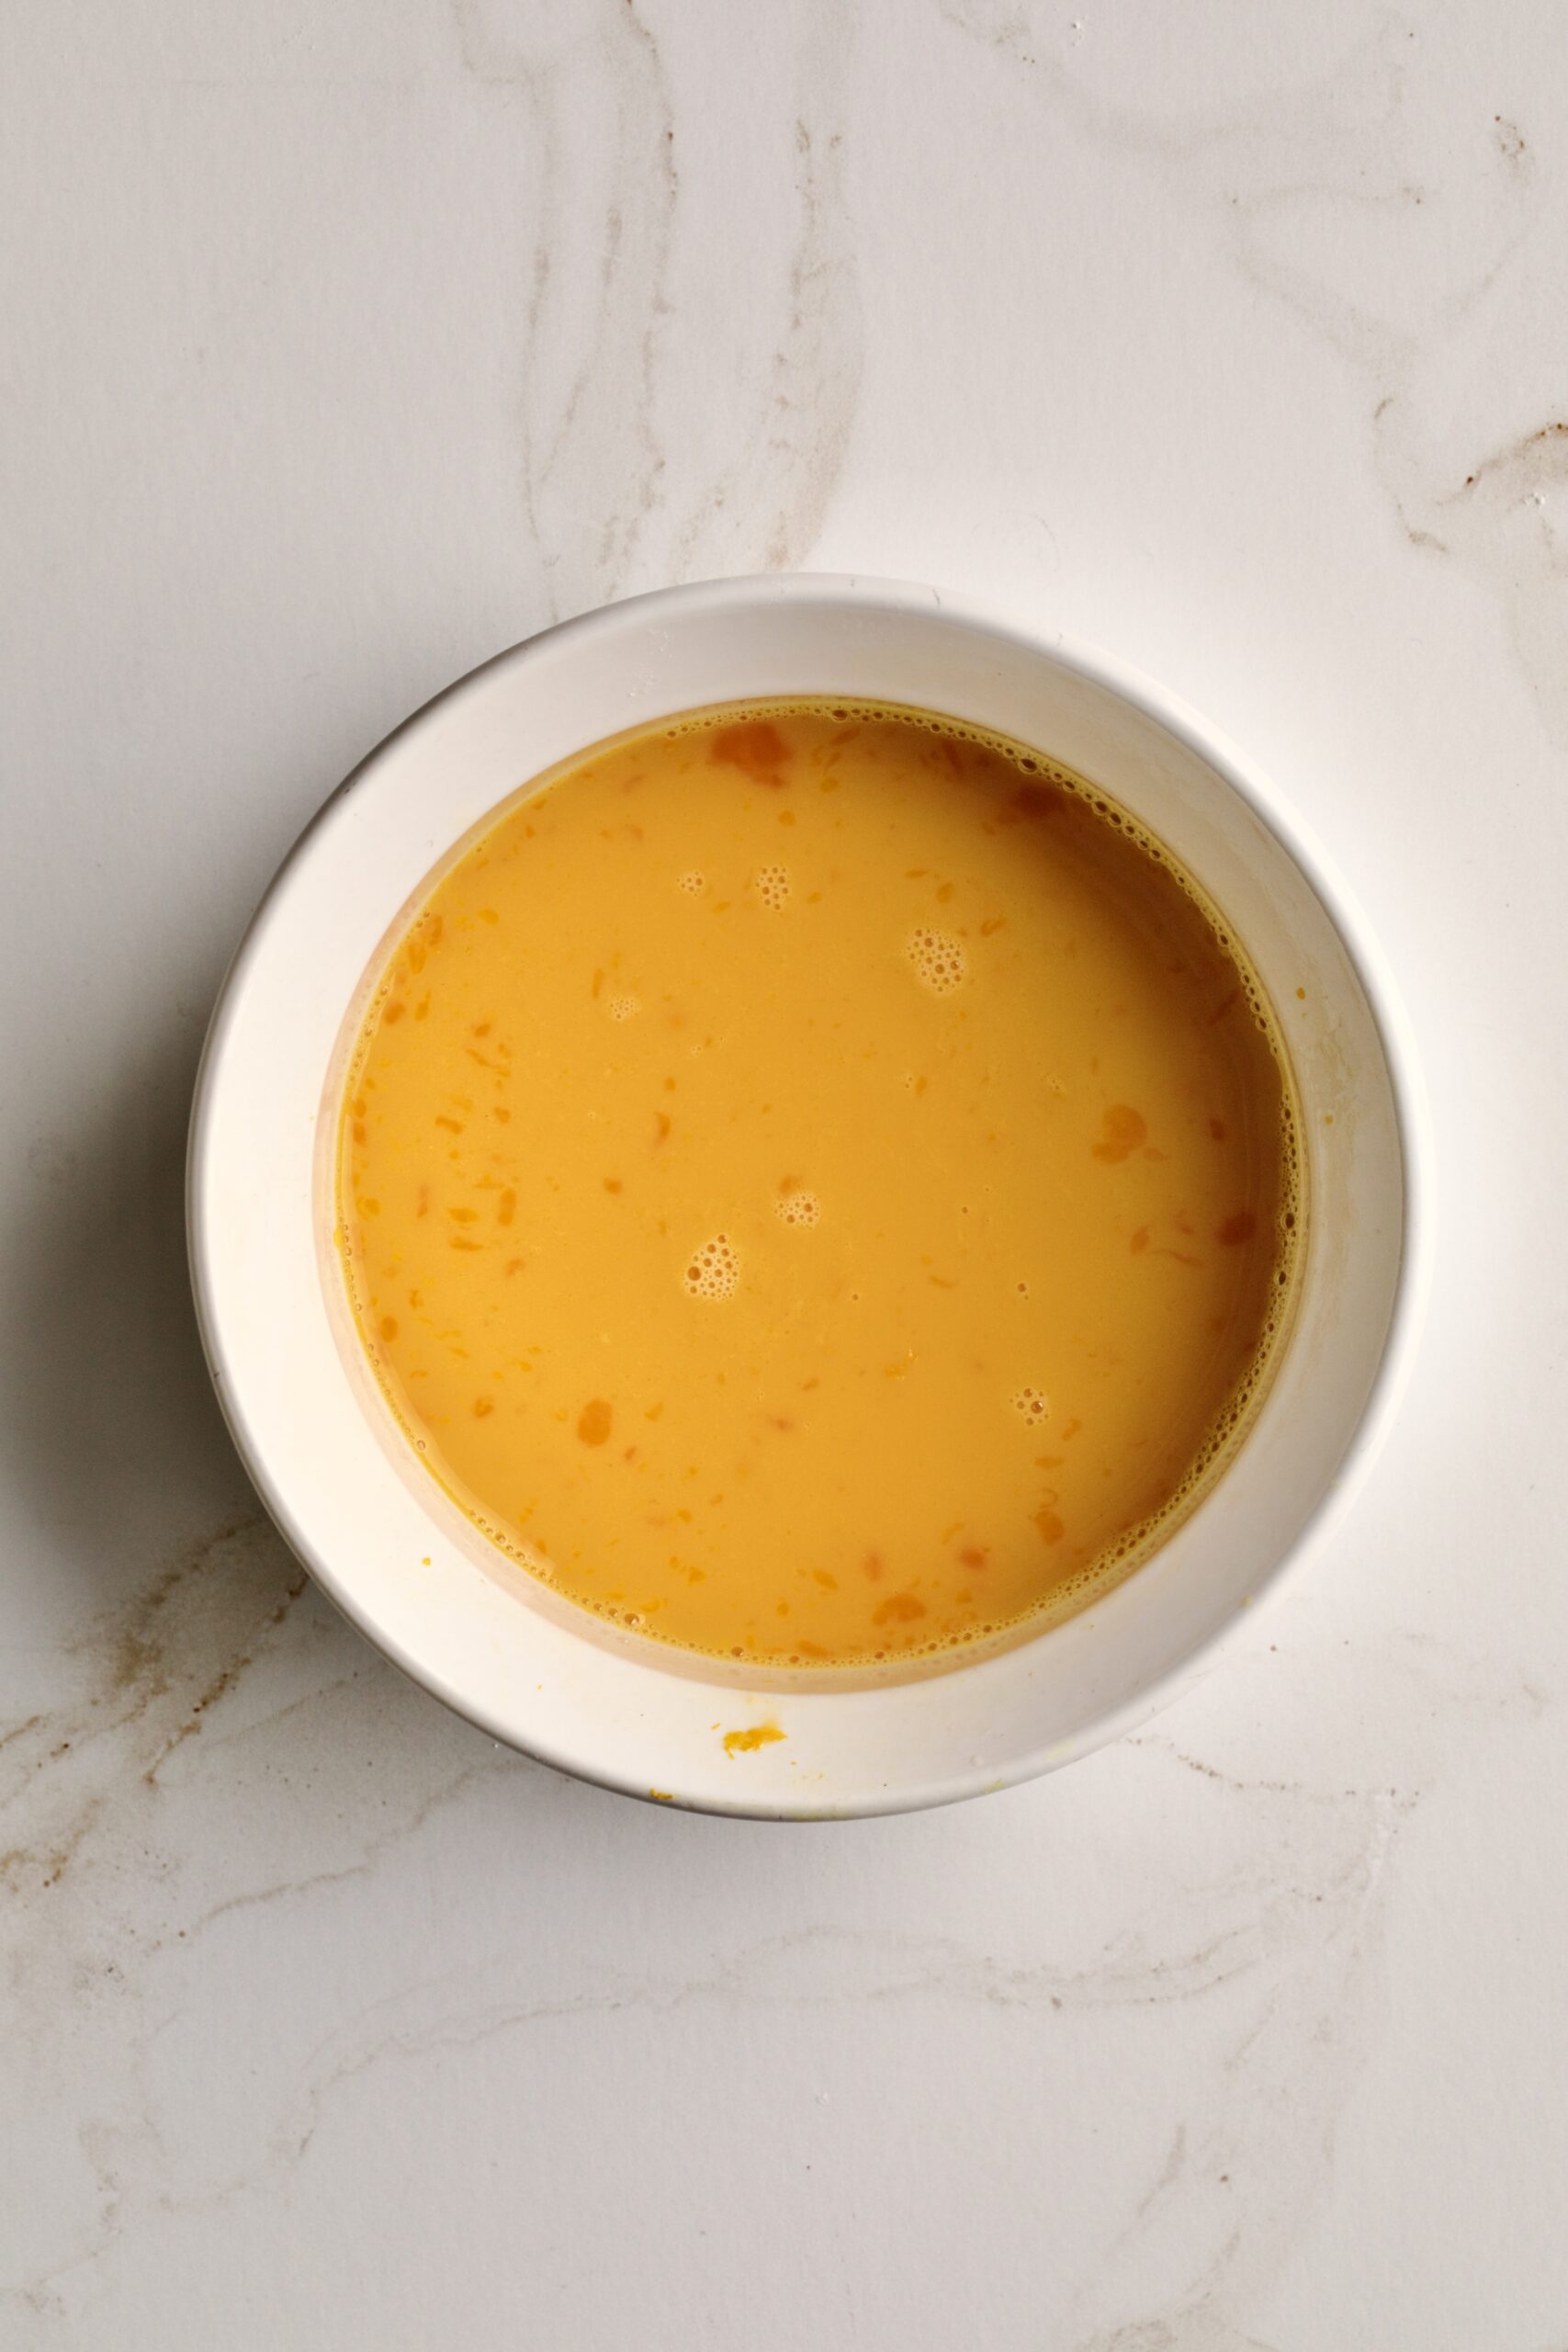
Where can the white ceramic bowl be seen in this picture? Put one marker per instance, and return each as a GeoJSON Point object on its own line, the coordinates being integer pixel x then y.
{"type": "Point", "coordinates": [377, 1530]}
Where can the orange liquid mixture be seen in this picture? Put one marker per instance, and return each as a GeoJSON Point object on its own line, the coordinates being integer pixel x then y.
{"type": "Point", "coordinates": [818, 1186]}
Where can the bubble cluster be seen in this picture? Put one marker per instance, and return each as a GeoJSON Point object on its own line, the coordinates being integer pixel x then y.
{"type": "Point", "coordinates": [694, 883]}
{"type": "Point", "coordinates": [939, 959]}
{"type": "Point", "coordinates": [796, 1206]}
{"type": "Point", "coordinates": [713, 1270]}
{"type": "Point", "coordinates": [1032, 1403]}
{"type": "Point", "coordinates": [625, 1008]}
{"type": "Point", "coordinates": [772, 884]}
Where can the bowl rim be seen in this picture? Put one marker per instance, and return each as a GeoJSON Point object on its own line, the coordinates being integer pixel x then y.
{"type": "Point", "coordinates": [1391, 1024]}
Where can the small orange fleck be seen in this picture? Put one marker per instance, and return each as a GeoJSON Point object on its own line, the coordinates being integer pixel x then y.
{"type": "Point", "coordinates": [755, 746]}
{"type": "Point", "coordinates": [1217, 1129]}
{"type": "Point", "coordinates": [503, 1115]}
{"type": "Point", "coordinates": [488, 914]}
{"type": "Point", "coordinates": [1050, 1526]}
{"type": "Point", "coordinates": [871, 1563]}
{"type": "Point", "coordinates": [1301, 993]}
{"type": "Point", "coordinates": [612, 1183]}
{"type": "Point", "coordinates": [973, 1555]}
{"type": "Point", "coordinates": [483, 1408]}
{"type": "Point", "coordinates": [745, 1743]}
{"type": "Point", "coordinates": [661, 1127]}
{"type": "Point", "coordinates": [898, 1609]}
{"type": "Point", "coordinates": [593, 1422]}
{"type": "Point", "coordinates": [394, 1011]}
{"type": "Point", "coordinates": [1124, 1130]}
{"type": "Point", "coordinates": [1140, 1241]}
{"type": "Point", "coordinates": [1237, 1228]}
{"type": "Point", "coordinates": [454, 1126]}
{"type": "Point", "coordinates": [506, 1207]}
{"type": "Point", "coordinates": [1033, 803]}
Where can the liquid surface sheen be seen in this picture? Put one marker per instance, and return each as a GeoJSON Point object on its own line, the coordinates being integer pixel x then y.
{"type": "Point", "coordinates": [818, 1187]}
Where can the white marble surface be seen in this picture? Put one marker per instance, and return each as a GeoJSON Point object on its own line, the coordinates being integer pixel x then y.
{"type": "Point", "coordinates": [345, 345]}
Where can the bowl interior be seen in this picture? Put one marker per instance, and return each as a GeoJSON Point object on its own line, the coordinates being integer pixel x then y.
{"type": "Point", "coordinates": [404, 1564]}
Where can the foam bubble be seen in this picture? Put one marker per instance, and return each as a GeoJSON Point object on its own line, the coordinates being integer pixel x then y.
{"type": "Point", "coordinates": [625, 1008]}
{"type": "Point", "coordinates": [714, 1270]}
{"type": "Point", "coordinates": [1033, 1403]}
{"type": "Point", "coordinates": [771, 885]}
{"type": "Point", "coordinates": [939, 959]}
{"type": "Point", "coordinates": [694, 883]}
{"type": "Point", "coordinates": [796, 1206]}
